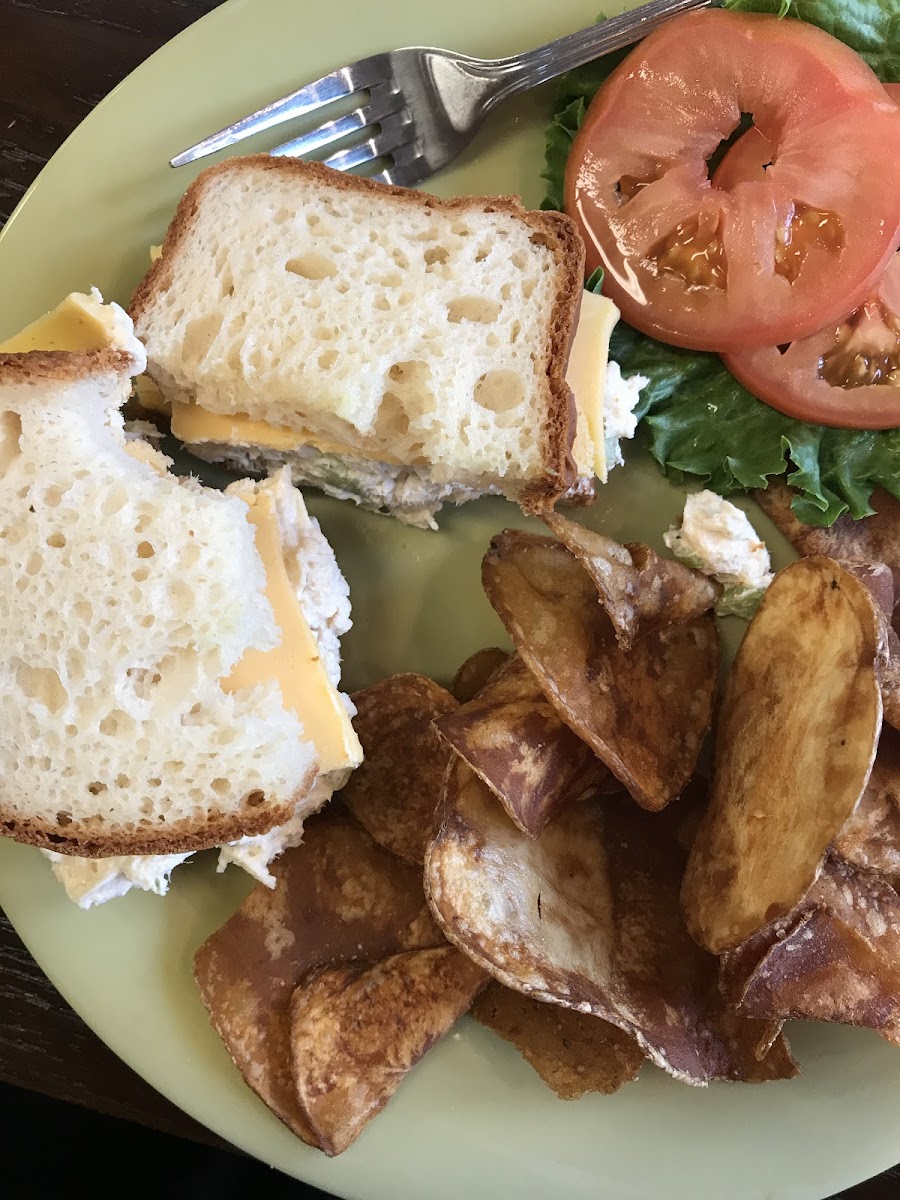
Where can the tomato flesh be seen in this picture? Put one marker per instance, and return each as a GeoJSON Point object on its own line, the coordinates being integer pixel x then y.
{"type": "Point", "coordinates": [771, 258]}
{"type": "Point", "coordinates": [848, 373]}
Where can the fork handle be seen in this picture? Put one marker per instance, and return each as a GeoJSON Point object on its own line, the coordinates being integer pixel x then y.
{"type": "Point", "coordinates": [520, 72]}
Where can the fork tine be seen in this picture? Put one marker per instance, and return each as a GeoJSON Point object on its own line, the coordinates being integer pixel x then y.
{"type": "Point", "coordinates": [391, 135]}
{"type": "Point", "coordinates": [334, 86]}
{"type": "Point", "coordinates": [321, 136]}
{"type": "Point", "coordinates": [382, 103]}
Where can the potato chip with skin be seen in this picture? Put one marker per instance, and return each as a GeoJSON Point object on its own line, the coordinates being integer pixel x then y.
{"type": "Point", "coordinates": [878, 579]}
{"type": "Point", "coordinates": [796, 738]}
{"type": "Point", "coordinates": [643, 712]}
{"type": "Point", "coordinates": [639, 590]}
{"type": "Point", "coordinates": [587, 917]}
{"type": "Point", "coordinates": [870, 838]}
{"type": "Point", "coordinates": [836, 958]}
{"type": "Point", "coordinates": [514, 740]}
{"type": "Point", "coordinates": [473, 675]}
{"type": "Point", "coordinates": [873, 539]}
{"type": "Point", "coordinates": [357, 1030]}
{"type": "Point", "coordinates": [574, 1053]}
{"type": "Point", "coordinates": [394, 793]}
{"type": "Point", "coordinates": [338, 896]}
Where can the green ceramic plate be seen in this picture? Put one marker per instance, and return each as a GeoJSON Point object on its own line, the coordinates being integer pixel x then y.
{"type": "Point", "coordinates": [472, 1120]}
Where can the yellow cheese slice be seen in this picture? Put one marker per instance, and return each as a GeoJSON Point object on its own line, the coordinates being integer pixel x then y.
{"type": "Point", "coordinates": [149, 396]}
{"type": "Point", "coordinates": [80, 322]}
{"type": "Point", "coordinates": [194, 425]}
{"type": "Point", "coordinates": [295, 664]}
{"type": "Point", "coordinates": [586, 372]}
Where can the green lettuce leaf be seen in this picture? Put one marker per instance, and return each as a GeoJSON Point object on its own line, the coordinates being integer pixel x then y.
{"type": "Point", "coordinates": [699, 422]}
{"type": "Point", "coordinates": [870, 27]}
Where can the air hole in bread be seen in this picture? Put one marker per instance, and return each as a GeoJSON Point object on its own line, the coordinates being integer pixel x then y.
{"type": "Point", "coordinates": [221, 786]}
{"type": "Point", "coordinates": [327, 359]}
{"type": "Point", "coordinates": [41, 684]}
{"type": "Point", "coordinates": [122, 781]}
{"type": "Point", "coordinates": [392, 421]}
{"type": "Point", "coordinates": [140, 575]}
{"type": "Point", "coordinates": [35, 562]}
{"type": "Point", "coordinates": [435, 255]}
{"type": "Point", "coordinates": [311, 266]}
{"type": "Point", "coordinates": [326, 333]}
{"type": "Point", "coordinates": [199, 335]}
{"type": "Point", "coordinates": [382, 304]}
{"type": "Point", "coordinates": [528, 286]}
{"type": "Point", "coordinates": [391, 279]}
{"type": "Point", "coordinates": [473, 308]}
{"type": "Point", "coordinates": [499, 391]}
{"type": "Point", "coordinates": [97, 788]}
{"type": "Point", "coordinates": [400, 258]}
{"type": "Point", "coordinates": [145, 550]}
{"type": "Point", "coordinates": [10, 440]}
{"type": "Point", "coordinates": [56, 540]}
{"type": "Point", "coordinates": [482, 253]}
{"type": "Point", "coordinates": [63, 819]}
{"type": "Point", "coordinates": [254, 799]}
{"type": "Point", "coordinates": [514, 331]}
{"type": "Point", "coordinates": [519, 260]}
{"type": "Point", "coordinates": [492, 340]}
{"type": "Point", "coordinates": [116, 499]}
{"type": "Point", "coordinates": [461, 229]}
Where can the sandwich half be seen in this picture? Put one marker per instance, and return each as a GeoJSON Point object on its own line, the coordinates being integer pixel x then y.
{"type": "Point", "coordinates": [169, 654]}
{"type": "Point", "coordinates": [389, 347]}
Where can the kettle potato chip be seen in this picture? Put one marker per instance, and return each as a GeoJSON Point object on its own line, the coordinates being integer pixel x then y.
{"type": "Point", "coordinates": [337, 897]}
{"type": "Point", "coordinates": [476, 671]}
{"type": "Point", "coordinates": [644, 712]}
{"type": "Point", "coordinates": [587, 917]}
{"type": "Point", "coordinates": [513, 738]}
{"type": "Point", "coordinates": [574, 1053]}
{"type": "Point", "coordinates": [835, 958]}
{"type": "Point", "coordinates": [639, 590]}
{"type": "Point", "coordinates": [393, 793]}
{"type": "Point", "coordinates": [358, 1029]}
{"type": "Point", "coordinates": [795, 742]}
{"type": "Point", "coordinates": [870, 838]}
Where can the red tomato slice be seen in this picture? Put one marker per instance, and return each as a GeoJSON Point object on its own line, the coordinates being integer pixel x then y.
{"type": "Point", "coordinates": [697, 265]}
{"type": "Point", "coordinates": [847, 374]}
{"type": "Point", "coordinates": [752, 154]}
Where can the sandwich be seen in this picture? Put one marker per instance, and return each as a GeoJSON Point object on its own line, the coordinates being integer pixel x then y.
{"type": "Point", "coordinates": [388, 347]}
{"type": "Point", "coordinates": [169, 654]}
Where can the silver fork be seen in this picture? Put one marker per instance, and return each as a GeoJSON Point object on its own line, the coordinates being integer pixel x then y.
{"type": "Point", "coordinates": [424, 105]}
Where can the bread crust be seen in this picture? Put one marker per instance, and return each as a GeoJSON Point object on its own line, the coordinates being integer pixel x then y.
{"type": "Point", "coordinates": [555, 230]}
{"type": "Point", "coordinates": [64, 366]}
{"type": "Point", "coordinates": [183, 838]}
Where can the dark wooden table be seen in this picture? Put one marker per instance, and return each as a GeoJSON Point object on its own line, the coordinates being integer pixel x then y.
{"type": "Point", "coordinates": [57, 59]}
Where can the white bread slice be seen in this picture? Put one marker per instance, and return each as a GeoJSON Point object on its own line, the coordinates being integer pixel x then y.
{"type": "Point", "coordinates": [324, 598]}
{"type": "Point", "coordinates": [126, 596]}
{"type": "Point", "coordinates": [428, 335]}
